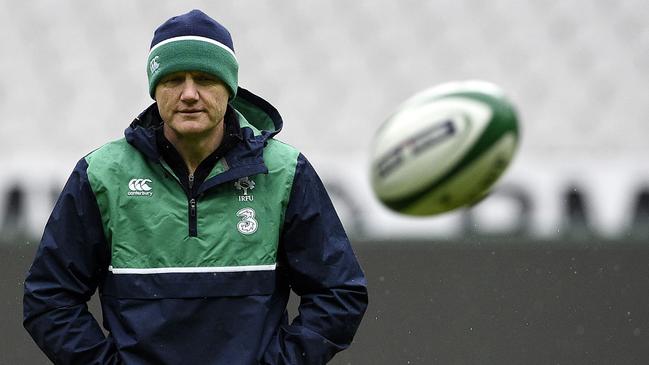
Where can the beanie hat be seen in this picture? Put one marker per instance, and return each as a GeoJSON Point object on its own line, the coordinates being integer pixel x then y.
{"type": "Point", "coordinates": [192, 42]}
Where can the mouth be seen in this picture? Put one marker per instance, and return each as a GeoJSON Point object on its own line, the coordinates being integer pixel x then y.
{"type": "Point", "coordinates": [190, 111]}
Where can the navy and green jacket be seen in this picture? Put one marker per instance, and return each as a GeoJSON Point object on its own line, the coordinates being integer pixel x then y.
{"type": "Point", "coordinates": [200, 276]}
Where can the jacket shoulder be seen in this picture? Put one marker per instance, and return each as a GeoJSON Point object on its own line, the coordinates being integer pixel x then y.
{"type": "Point", "coordinates": [110, 162]}
{"type": "Point", "coordinates": [111, 151]}
{"type": "Point", "coordinates": [280, 153]}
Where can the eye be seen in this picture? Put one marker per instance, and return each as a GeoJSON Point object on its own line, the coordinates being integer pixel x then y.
{"type": "Point", "coordinates": [205, 79]}
{"type": "Point", "coordinates": [172, 80]}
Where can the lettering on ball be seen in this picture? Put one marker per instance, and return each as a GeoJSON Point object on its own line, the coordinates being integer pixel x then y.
{"type": "Point", "coordinates": [415, 145]}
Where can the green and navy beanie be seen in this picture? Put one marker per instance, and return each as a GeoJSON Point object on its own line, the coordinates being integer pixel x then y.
{"type": "Point", "coordinates": [192, 42]}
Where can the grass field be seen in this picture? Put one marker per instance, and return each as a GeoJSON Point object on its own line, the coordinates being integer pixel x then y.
{"type": "Point", "coordinates": [461, 303]}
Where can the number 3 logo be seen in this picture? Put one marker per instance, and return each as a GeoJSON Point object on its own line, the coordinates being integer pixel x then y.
{"type": "Point", "coordinates": [248, 223]}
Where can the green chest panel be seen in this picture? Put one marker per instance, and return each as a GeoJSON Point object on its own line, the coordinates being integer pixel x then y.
{"type": "Point", "coordinates": [146, 213]}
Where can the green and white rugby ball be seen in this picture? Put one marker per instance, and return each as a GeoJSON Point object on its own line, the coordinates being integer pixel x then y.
{"type": "Point", "coordinates": [444, 148]}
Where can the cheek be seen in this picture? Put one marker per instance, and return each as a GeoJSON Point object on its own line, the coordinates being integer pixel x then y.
{"type": "Point", "coordinates": [220, 103]}
{"type": "Point", "coordinates": [163, 99]}
{"type": "Point", "coordinates": [163, 109]}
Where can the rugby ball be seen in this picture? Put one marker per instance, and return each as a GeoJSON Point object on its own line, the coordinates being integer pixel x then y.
{"type": "Point", "coordinates": [444, 148]}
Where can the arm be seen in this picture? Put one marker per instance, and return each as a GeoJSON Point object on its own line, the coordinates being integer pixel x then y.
{"type": "Point", "coordinates": [71, 258]}
{"type": "Point", "coordinates": [323, 271]}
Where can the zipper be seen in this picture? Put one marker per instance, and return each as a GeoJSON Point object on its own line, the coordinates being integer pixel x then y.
{"type": "Point", "coordinates": [193, 221]}
{"type": "Point", "coordinates": [191, 200]}
{"type": "Point", "coordinates": [193, 229]}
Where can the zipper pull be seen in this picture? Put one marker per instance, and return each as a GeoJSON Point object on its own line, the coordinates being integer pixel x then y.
{"type": "Point", "coordinates": [192, 207]}
{"type": "Point", "coordinates": [191, 181]}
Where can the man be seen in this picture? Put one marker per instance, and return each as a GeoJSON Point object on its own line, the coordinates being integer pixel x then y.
{"type": "Point", "coordinates": [195, 227]}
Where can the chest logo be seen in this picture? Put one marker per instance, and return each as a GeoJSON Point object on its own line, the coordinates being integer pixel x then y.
{"type": "Point", "coordinates": [244, 184]}
{"type": "Point", "coordinates": [140, 187]}
{"type": "Point", "coordinates": [247, 222]}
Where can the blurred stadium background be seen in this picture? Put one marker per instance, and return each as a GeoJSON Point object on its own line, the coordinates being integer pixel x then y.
{"type": "Point", "coordinates": [553, 267]}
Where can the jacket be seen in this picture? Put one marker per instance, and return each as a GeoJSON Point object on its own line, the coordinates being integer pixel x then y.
{"type": "Point", "coordinates": [200, 278]}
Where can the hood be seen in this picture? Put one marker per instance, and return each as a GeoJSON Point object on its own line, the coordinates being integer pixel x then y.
{"type": "Point", "coordinates": [258, 112]}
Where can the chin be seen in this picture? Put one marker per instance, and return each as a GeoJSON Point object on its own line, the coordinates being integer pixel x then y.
{"type": "Point", "coordinates": [190, 132]}
{"type": "Point", "coordinates": [191, 129]}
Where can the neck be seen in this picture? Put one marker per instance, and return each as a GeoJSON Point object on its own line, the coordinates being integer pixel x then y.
{"type": "Point", "coordinates": [194, 149]}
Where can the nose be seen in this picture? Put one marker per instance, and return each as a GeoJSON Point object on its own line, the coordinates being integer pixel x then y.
{"type": "Point", "coordinates": [189, 92]}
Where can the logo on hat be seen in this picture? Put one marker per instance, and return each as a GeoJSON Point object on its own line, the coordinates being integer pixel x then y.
{"type": "Point", "coordinates": [154, 65]}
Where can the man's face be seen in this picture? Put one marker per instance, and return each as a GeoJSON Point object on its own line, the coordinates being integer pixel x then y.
{"type": "Point", "coordinates": [192, 104]}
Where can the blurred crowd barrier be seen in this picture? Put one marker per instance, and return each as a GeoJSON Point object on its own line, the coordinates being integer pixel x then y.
{"type": "Point", "coordinates": [511, 212]}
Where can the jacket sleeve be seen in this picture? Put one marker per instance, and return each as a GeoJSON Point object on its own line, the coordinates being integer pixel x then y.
{"type": "Point", "coordinates": [323, 272]}
{"type": "Point", "coordinates": [71, 258]}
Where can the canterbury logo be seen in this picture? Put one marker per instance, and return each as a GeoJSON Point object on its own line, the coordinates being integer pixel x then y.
{"type": "Point", "coordinates": [154, 65]}
{"type": "Point", "coordinates": [140, 187]}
